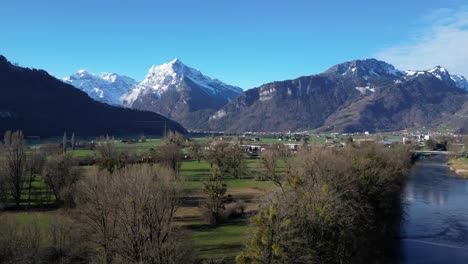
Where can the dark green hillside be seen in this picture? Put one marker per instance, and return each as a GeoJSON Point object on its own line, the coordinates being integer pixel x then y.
{"type": "Point", "coordinates": [39, 104]}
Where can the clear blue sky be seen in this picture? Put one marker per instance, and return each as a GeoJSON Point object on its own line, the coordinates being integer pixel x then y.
{"type": "Point", "coordinates": [241, 42]}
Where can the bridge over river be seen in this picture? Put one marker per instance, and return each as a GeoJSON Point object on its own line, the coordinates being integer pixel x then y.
{"type": "Point", "coordinates": [435, 152]}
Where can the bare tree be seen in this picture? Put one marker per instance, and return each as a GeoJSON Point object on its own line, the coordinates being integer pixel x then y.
{"type": "Point", "coordinates": [129, 215]}
{"type": "Point", "coordinates": [228, 158]}
{"type": "Point", "coordinates": [50, 149]}
{"type": "Point", "coordinates": [170, 156]}
{"type": "Point", "coordinates": [146, 217]}
{"type": "Point", "coordinates": [3, 190]}
{"type": "Point", "coordinates": [73, 141]}
{"type": "Point", "coordinates": [197, 150]}
{"type": "Point", "coordinates": [64, 142]}
{"type": "Point", "coordinates": [10, 242]}
{"type": "Point", "coordinates": [35, 165]}
{"type": "Point", "coordinates": [269, 159]}
{"type": "Point", "coordinates": [34, 243]}
{"type": "Point", "coordinates": [174, 138]}
{"type": "Point", "coordinates": [108, 155]}
{"type": "Point", "coordinates": [14, 164]}
{"type": "Point", "coordinates": [61, 174]}
{"type": "Point", "coordinates": [97, 203]}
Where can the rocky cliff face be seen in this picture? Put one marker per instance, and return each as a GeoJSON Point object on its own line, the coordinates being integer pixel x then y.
{"type": "Point", "coordinates": [362, 95]}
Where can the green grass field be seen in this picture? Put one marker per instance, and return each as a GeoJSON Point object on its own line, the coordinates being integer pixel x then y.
{"type": "Point", "coordinates": [149, 143]}
{"type": "Point", "coordinates": [40, 194]}
{"type": "Point", "coordinates": [25, 222]}
{"type": "Point", "coordinates": [82, 153]}
{"type": "Point", "coordinates": [223, 242]}
{"type": "Point", "coordinates": [226, 240]}
{"type": "Point", "coordinates": [42, 219]}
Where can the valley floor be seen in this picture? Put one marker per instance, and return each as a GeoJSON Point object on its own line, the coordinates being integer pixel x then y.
{"type": "Point", "coordinates": [223, 241]}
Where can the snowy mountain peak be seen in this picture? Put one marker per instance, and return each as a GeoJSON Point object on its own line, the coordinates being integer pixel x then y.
{"type": "Point", "coordinates": [369, 68]}
{"type": "Point", "coordinates": [460, 81]}
{"type": "Point", "coordinates": [170, 75]}
{"type": "Point", "coordinates": [173, 68]}
{"type": "Point", "coordinates": [440, 73]}
{"type": "Point", "coordinates": [364, 68]}
{"type": "Point", "coordinates": [110, 77]}
{"type": "Point", "coordinates": [80, 74]}
{"type": "Point", "coordinates": [175, 61]}
{"type": "Point", "coordinates": [107, 87]}
{"type": "Point", "coordinates": [438, 68]}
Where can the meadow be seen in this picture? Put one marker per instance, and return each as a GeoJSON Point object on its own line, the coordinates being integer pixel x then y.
{"type": "Point", "coordinates": [211, 242]}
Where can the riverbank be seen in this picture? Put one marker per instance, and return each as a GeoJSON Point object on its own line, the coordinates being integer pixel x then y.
{"type": "Point", "coordinates": [459, 166]}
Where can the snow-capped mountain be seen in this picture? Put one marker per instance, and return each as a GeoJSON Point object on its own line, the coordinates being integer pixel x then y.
{"type": "Point", "coordinates": [442, 74]}
{"type": "Point", "coordinates": [460, 81]}
{"type": "Point", "coordinates": [161, 78]}
{"type": "Point", "coordinates": [372, 69]}
{"type": "Point", "coordinates": [107, 87]}
{"type": "Point", "coordinates": [181, 93]}
{"type": "Point", "coordinates": [365, 69]}
{"type": "Point", "coordinates": [360, 95]}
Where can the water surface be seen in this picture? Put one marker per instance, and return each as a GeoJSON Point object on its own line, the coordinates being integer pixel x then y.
{"type": "Point", "coordinates": [435, 229]}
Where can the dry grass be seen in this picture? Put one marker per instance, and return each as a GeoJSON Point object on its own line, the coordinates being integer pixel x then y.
{"type": "Point", "coordinates": [459, 166]}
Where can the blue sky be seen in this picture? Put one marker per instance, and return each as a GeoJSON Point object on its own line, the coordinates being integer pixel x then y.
{"type": "Point", "coordinates": [244, 43]}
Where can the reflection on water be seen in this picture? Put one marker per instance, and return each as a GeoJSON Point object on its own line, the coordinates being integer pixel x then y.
{"type": "Point", "coordinates": [435, 229]}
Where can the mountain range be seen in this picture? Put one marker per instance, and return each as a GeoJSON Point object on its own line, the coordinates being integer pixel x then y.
{"type": "Point", "coordinates": [41, 105]}
{"type": "Point", "coordinates": [354, 96]}
{"type": "Point", "coordinates": [172, 89]}
{"type": "Point", "coordinates": [107, 87]}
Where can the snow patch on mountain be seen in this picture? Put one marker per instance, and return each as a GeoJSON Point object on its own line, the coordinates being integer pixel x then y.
{"type": "Point", "coordinates": [267, 93]}
{"type": "Point", "coordinates": [106, 87]}
{"type": "Point", "coordinates": [414, 73]}
{"type": "Point", "coordinates": [220, 114]}
{"type": "Point", "coordinates": [366, 89]}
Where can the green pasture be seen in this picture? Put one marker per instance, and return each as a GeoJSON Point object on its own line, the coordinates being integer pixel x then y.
{"type": "Point", "coordinates": [222, 242]}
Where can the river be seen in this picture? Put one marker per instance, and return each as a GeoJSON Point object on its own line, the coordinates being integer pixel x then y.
{"type": "Point", "coordinates": [435, 229]}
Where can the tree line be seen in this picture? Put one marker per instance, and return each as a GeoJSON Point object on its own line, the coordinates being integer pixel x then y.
{"type": "Point", "coordinates": [114, 213]}
{"type": "Point", "coordinates": [332, 205]}
{"type": "Point", "coordinates": [336, 206]}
